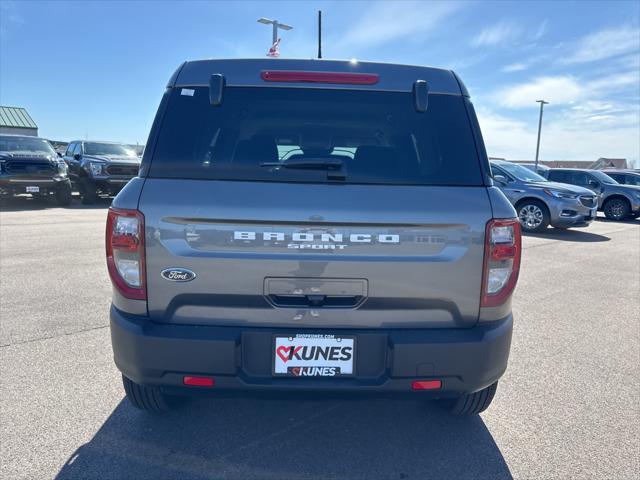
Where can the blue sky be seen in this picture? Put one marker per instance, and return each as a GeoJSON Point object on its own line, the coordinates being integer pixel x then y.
{"type": "Point", "coordinates": [98, 69]}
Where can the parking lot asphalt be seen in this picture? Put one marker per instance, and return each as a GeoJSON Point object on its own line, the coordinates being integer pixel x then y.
{"type": "Point", "coordinates": [568, 406]}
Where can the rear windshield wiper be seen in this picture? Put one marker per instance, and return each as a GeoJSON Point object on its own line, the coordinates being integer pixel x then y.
{"type": "Point", "coordinates": [310, 163]}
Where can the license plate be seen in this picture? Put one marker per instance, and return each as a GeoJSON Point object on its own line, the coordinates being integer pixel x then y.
{"type": "Point", "coordinates": [33, 189]}
{"type": "Point", "coordinates": [310, 355]}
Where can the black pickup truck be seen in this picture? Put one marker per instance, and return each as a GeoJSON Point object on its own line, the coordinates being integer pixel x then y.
{"type": "Point", "coordinates": [31, 165]}
{"type": "Point", "coordinates": [100, 167]}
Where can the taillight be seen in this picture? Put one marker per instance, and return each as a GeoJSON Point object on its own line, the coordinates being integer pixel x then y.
{"type": "Point", "coordinates": [501, 261]}
{"type": "Point", "coordinates": [125, 252]}
{"type": "Point", "coordinates": [319, 77]}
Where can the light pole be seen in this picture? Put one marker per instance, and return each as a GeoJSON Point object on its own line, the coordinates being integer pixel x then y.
{"type": "Point", "coordinates": [542, 104]}
{"type": "Point", "coordinates": [276, 25]}
{"type": "Point", "coordinates": [319, 33]}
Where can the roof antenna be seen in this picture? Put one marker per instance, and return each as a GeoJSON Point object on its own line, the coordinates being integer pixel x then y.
{"type": "Point", "coordinates": [319, 33]}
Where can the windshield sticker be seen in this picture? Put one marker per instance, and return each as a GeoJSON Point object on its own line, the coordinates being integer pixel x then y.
{"type": "Point", "coordinates": [187, 91]}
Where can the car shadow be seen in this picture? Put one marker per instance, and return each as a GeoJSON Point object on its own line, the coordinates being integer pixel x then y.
{"type": "Point", "coordinates": [632, 221]}
{"type": "Point", "coordinates": [281, 437]}
{"type": "Point", "coordinates": [24, 203]}
{"type": "Point", "coordinates": [569, 235]}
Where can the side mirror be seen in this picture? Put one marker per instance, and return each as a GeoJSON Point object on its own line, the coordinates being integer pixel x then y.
{"type": "Point", "coordinates": [594, 184]}
{"type": "Point", "coordinates": [501, 179]}
{"type": "Point", "coordinates": [216, 87]}
{"type": "Point", "coordinates": [421, 95]}
{"type": "Point", "coordinates": [76, 156]}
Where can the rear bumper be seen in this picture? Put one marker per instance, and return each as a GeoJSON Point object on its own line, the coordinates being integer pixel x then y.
{"type": "Point", "coordinates": [466, 360]}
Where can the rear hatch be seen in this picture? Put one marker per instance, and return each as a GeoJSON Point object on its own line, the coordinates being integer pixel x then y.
{"type": "Point", "coordinates": [412, 255]}
{"type": "Point", "coordinates": [314, 208]}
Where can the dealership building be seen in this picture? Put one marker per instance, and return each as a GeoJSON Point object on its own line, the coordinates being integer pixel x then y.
{"type": "Point", "coordinates": [16, 120]}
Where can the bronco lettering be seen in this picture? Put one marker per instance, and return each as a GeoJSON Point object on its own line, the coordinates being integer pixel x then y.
{"type": "Point", "coordinates": [312, 237]}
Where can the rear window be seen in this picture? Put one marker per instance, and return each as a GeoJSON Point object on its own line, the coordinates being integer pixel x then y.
{"type": "Point", "coordinates": [313, 135]}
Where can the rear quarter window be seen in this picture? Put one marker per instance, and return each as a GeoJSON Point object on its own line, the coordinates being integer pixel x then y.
{"type": "Point", "coordinates": [557, 176]}
{"type": "Point", "coordinates": [376, 137]}
{"type": "Point", "coordinates": [630, 179]}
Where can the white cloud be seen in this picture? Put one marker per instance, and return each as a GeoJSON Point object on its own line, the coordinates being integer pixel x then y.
{"type": "Point", "coordinates": [542, 29]}
{"type": "Point", "coordinates": [587, 133]}
{"type": "Point", "coordinates": [526, 63]}
{"type": "Point", "coordinates": [629, 62]}
{"type": "Point", "coordinates": [557, 90]}
{"type": "Point", "coordinates": [608, 83]}
{"type": "Point", "coordinates": [497, 34]}
{"type": "Point", "coordinates": [591, 115]}
{"type": "Point", "coordinates": [385, 22]}
{"type": "Point", "coordinates": [593, 106]}
{"type": "Point", "coordinates": [605, 44]}
{"type": "Point", "coordinates": [515, 67]}
{"type": "Point", "coordinates": [564, 89]}
{"type": "Point", "coordinates": [463, 63]}
{"type": "Point", "coordinates": [591, 139]}
{"type": "Point", "coordinates": [506, 137]}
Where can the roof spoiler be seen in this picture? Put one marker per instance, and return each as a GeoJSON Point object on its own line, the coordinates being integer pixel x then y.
{"type": "Point", "coordinates": [216, 88]}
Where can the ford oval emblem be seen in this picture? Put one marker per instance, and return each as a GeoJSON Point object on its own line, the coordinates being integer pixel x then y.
{"type": "Point", "coordinates": [178, 274]}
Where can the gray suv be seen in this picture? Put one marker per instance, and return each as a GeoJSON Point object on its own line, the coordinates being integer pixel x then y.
{"type": "Point", "coordinates": [313, 225]}
{"type": "Point", "coordinates": [539, 202]}
{"type": "Point", "coordinates": [617, 201]}
{"type": "Point", "coordinates": [625, 177]}
{"type": "Point", "coordinates": [100, 167]}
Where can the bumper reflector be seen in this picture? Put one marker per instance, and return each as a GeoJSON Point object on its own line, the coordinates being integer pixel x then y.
{"type": "Point", "coordinates": [199, 381]}
{"type": "Point", "coordinates": [426, 384]}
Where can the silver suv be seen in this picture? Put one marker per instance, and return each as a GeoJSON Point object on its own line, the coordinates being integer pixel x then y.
{"type": "Point", "coordinates": [539, 202]}
{"type": "Point", "coordinates": [313, 225]}
{"type": "Point", "coordinates": [617, 201]}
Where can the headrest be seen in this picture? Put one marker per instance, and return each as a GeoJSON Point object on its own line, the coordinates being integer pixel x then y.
{"type": "Point", "coordinates": [256, 150]}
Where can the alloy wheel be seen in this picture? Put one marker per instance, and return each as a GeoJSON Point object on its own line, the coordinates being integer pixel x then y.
{"type": "Point", "coordinates": [616, 209]}
{"type": "Point", "coordinates": [531, 216]}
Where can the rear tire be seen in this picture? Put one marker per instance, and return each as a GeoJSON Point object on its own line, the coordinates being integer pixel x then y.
{"type": "Point", "coordinates": [533, 216]}
{"type": "Point", "coordinates": [143, 397]}
{"type": "Point", "coordinates": [616, 209]}
{"type": "Point", "coordinates": [471, 403]}
{"type": "Point", "coordinates": [88, 192]}
{"type": "Point", "coordinates": [63, 195]}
